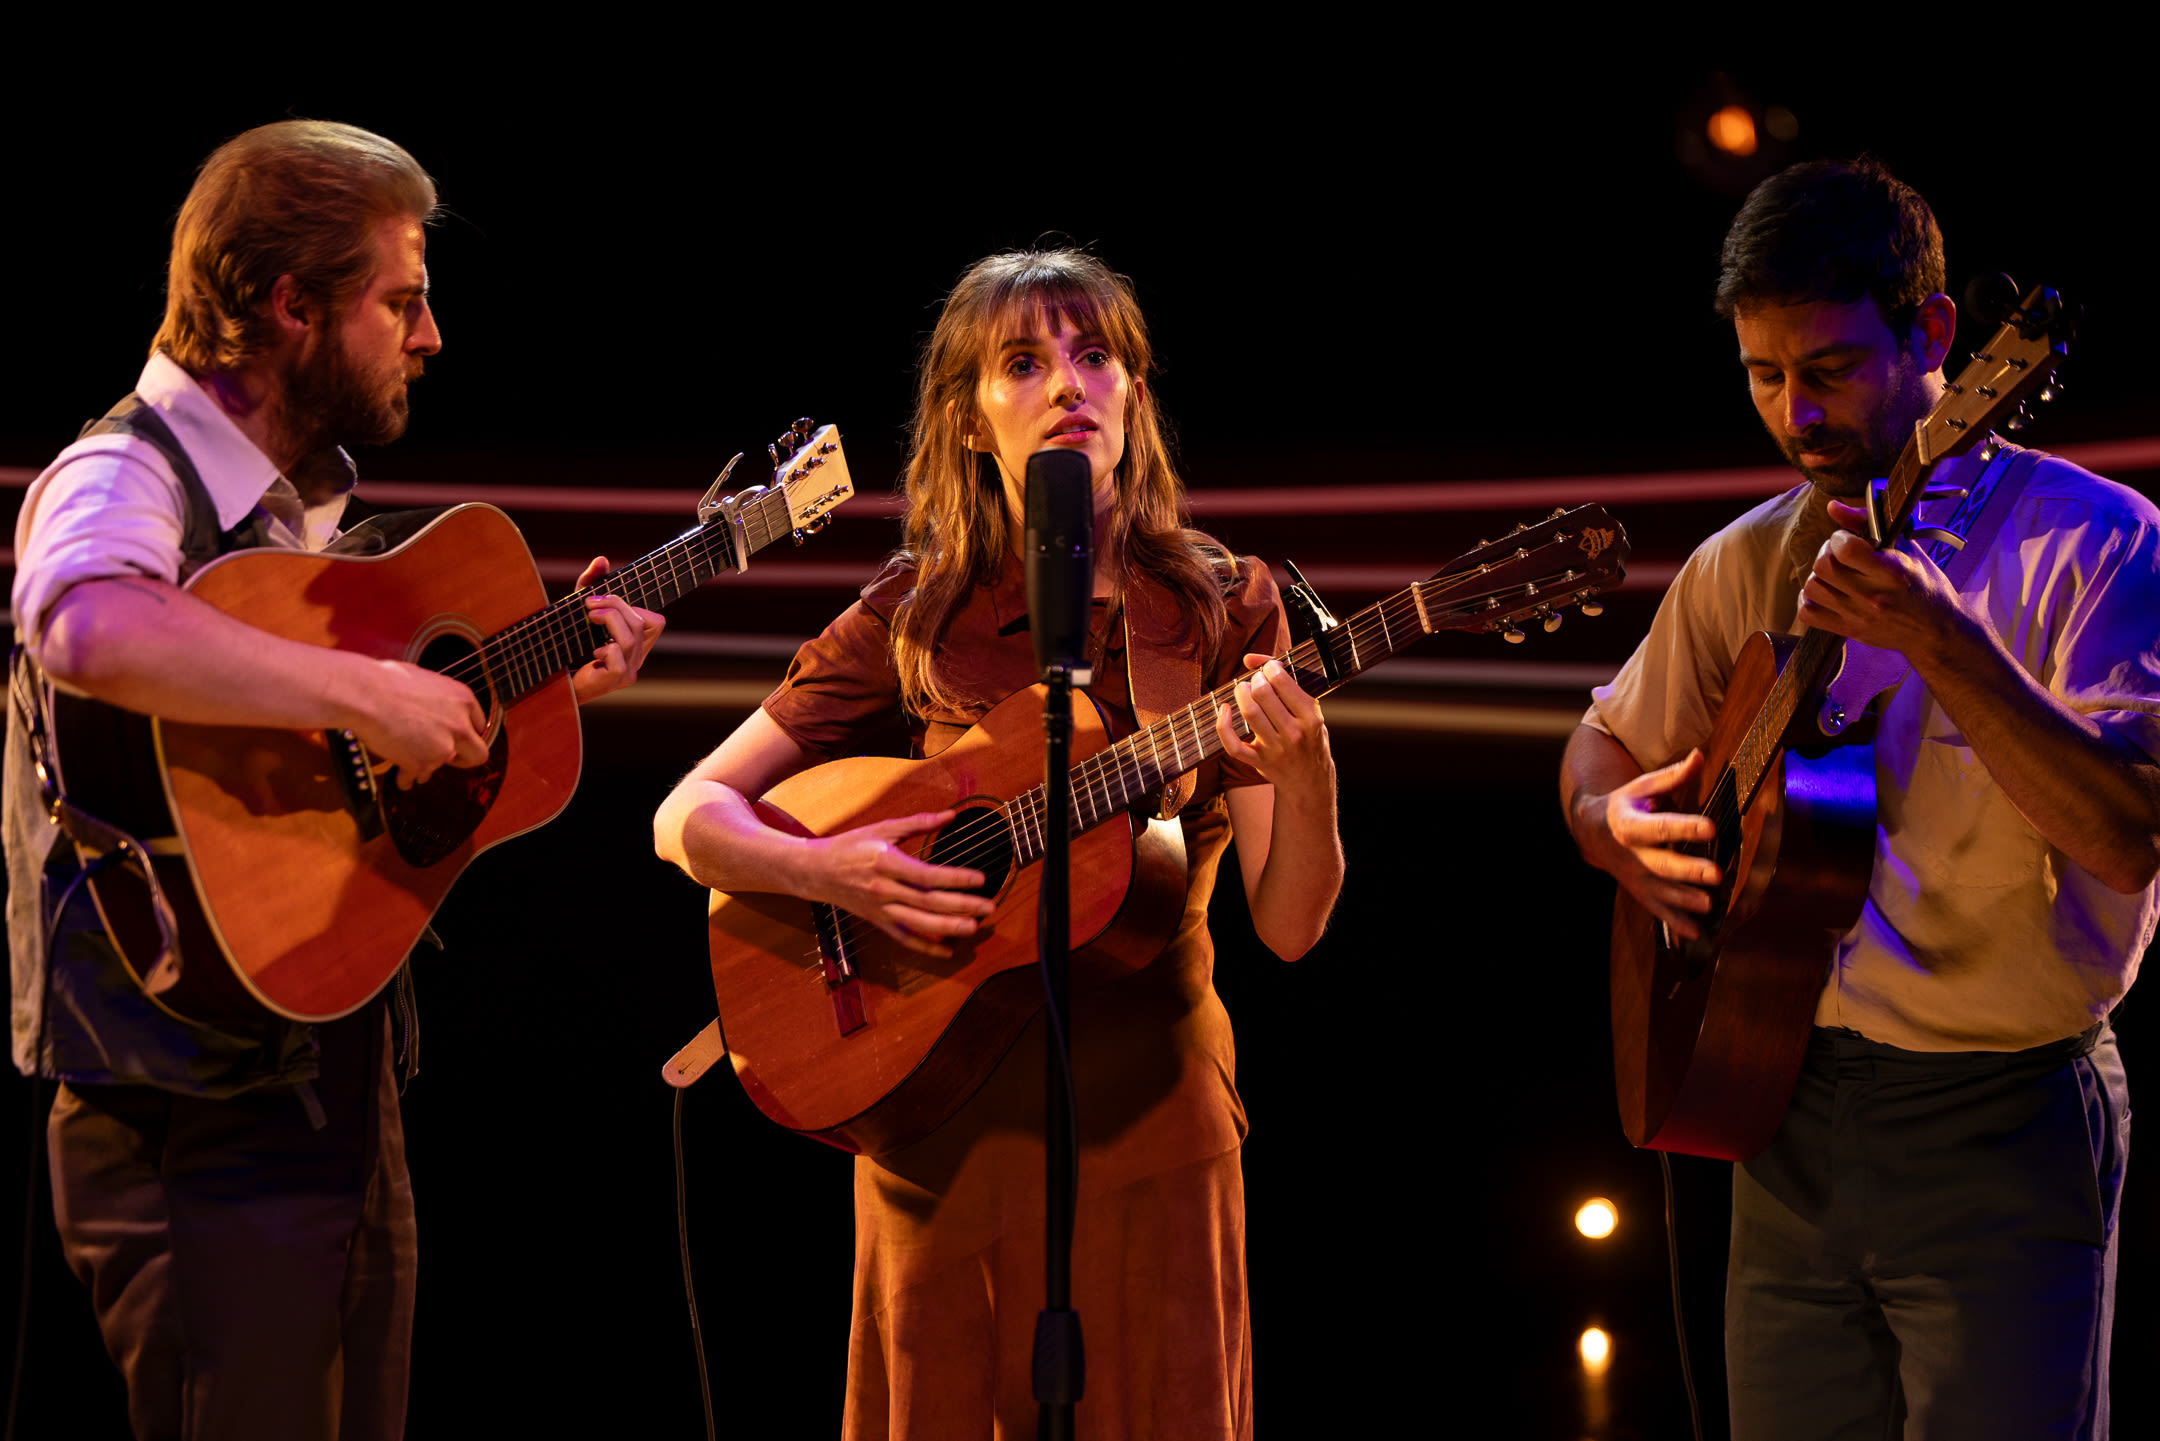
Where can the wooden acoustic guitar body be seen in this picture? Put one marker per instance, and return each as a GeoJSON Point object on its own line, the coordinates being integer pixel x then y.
{"type": "Point", "coordinates": [285, 905]}
{"type": "Point", "coordinates": [1708, 1035]}
{"type": "Point", "coordinates": [875, 1054]}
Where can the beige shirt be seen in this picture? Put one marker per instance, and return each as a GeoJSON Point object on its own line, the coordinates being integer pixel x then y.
{"type": "Point", "coordinates": [1977, 934]}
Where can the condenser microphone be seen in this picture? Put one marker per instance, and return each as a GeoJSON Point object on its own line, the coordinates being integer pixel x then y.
{"type": "Point", "coordinates": [1059, 550]}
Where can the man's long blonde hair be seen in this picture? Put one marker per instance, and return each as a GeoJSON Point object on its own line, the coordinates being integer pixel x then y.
{"type": "Point", "coordinates": [299, 198]}
{"type": "Point", "coordinates": [956, 526]}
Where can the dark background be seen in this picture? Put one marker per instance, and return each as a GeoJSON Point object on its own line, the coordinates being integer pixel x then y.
{"type": "Point", "coordinates": [1358, 267]}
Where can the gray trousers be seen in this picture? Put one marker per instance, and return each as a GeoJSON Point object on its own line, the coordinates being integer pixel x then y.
{"type": "Point", "coordinates": [1927, 1248]}
{"type": "Point", "coordinates": [252, 1273]}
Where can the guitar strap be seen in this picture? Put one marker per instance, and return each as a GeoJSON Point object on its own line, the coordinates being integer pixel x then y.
{"type": "Point", "coordinates": [1868, 672]}
{"type": "Point", "coordinates": [1162, 667]}
{"type": "Point", "coordinates": [97, 843]}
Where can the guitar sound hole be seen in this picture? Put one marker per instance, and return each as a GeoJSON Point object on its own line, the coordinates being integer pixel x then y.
{"type": "Point", "coordinates": [978, 839]}
{"type": "Point", "coordinates": [429, 822]}
{"type": "Point", "coordinates": [456, 657]}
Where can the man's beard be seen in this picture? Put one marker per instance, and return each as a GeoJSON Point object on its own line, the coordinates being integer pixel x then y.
{"type": "Point", "coordinates": [330, 401]}
{"type": "Point", "coordinates": [1870, 451]}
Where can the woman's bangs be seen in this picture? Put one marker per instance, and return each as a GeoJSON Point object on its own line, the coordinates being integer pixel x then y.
{"type": "Point", "coordinates": [1042, 297]}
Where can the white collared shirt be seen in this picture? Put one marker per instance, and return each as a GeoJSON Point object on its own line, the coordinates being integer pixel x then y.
{"type": "Point", "coordinates": [111, 505]}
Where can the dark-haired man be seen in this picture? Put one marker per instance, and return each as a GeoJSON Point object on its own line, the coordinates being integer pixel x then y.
{"type": "Point", "coordinates": [236, 1198]}
{"type": "Point", "coordinates": [1929, 1240]}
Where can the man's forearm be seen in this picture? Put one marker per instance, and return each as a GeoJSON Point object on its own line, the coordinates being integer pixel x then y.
{"type": "Point", "coordinates": [2090, 794]}
{"type": "Point", "coordinates": [1594, 766]}
{"type": "Point", "coordinates": [151, 647]}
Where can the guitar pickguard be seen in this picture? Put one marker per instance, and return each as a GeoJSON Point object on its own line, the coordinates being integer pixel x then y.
{"type": "Point", "coordinates": [432, 820]}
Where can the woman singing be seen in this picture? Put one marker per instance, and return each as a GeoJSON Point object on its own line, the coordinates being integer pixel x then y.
{"type": "Point", "coordinates": [1036, 349]}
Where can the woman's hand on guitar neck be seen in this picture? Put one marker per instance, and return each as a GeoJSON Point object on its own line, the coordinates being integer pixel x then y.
{"type": "Point", "coordinates": [920, 905]}
{"type": "Point", "coordinates": [1289, 740]}
{"type": "Point", "coordinates": [1621, 831]}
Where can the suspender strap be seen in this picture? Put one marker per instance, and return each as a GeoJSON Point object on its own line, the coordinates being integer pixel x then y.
{"type": "Point", "coordinates": [97, 843]}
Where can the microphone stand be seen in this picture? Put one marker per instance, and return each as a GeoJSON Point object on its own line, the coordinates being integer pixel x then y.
{"type": "Point", "coordinates": [1060, 1362]}
{"type": "Point", "coordinates": [1058, 532]}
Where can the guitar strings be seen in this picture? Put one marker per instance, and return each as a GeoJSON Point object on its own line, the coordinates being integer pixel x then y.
{"type": "Point", "coordinates": [553, 635]}
{"type": "Point", "coordinates": [1112, 778]}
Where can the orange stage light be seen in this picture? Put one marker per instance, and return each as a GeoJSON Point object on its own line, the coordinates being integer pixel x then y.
{"type": "Point", "coordinates": [1732, 130]}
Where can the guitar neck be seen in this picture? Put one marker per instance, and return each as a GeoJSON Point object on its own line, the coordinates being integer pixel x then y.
{"type": "Point", "coordinates": [1815, 658]}
{"type": "Point", "coordinates": [524, 656]}
{"type": "Point", "coordinates": [1119, 777]}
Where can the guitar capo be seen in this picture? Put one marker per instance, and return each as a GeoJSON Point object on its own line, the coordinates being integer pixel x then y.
{"type": "Point", "coordinates": [1305, 604]}
{"type": "Point", "coordinates": [728, 508]}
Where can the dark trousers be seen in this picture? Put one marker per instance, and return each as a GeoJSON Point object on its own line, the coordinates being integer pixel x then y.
{"type": "Point", "coordinates": [252, 1273]}
{"type": "Point", "coordinates": [1927, 1248]}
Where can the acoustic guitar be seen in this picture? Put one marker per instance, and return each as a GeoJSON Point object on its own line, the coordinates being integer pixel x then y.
{"type": "Point", "coordinates": [1709, 1034]}
{"type": "Point", "coordinates": [295, 873]}
{"type": "Point", "coordinates": [839, 1032]}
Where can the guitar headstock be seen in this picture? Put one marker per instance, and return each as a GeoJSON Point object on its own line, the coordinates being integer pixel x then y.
{"type": "Point", "coordinates": [810, 477]}
{"type": "Point", "coordinates": [2017, 363]}
{"type": "Point", "coordinates": [813, 472]}
{"type": "Point", "coordinates": [1533, 572]}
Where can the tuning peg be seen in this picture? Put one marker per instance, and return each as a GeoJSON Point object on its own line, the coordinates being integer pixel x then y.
{"type": "Point", "coordinates": [1991, 298]}
{"type": "Point", "coordinates": [1988, 449]}
{"type": "Point", "coordinates": [1592, 608]}
{"type": "Point", "coordinates": [1513, 635]}
{"type": "Point", "coordinates": [803, 427]}
{"type": "Point", "coordinates": [2066, 324]}
{"type": "Point", "coordinates": [2041, 315]}
{"type": "Point", "coordinates": [2017, 421]}
{"type": "Point", "coordinates": [1552, 620]}
{"type": "Point", "coordinates": [2049, 391]}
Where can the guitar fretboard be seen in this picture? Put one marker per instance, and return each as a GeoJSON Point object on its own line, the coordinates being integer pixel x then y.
{"type": "Point", "coordinates": [1120, 776]}
{"type": "Point", "coordinates": [522, 657]}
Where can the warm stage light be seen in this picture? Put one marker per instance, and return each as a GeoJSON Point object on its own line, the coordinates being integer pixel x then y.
{"type": "Point", "coordinates": [1596, 1349]}
{"type": "Point", "coordinates": [1732, 130]}
{"type": "Point", "coordinates": [1597, 1217]}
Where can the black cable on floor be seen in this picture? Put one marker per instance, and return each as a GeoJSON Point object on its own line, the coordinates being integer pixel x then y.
{"type": "Point", "coordinates": [682, 1236]}
{"type": "Point", "coordinates": [1672, 1252]}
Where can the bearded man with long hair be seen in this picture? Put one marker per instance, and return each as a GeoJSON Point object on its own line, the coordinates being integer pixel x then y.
{"type": "Point", "coordinates": [235, 1196]}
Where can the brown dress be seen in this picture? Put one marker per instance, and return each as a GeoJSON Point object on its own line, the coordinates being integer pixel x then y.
{"type": "Point", "coordinates": [949, 1230]}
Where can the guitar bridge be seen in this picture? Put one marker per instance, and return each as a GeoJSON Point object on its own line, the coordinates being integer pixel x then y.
{"type": "Point", "coordinates": [355, 772]}
{"type": "Point", "coordinates": [840, 978]}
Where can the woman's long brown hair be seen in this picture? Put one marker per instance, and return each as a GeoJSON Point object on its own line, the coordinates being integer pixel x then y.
{"type": "Point", "coordinates": [956, 527]}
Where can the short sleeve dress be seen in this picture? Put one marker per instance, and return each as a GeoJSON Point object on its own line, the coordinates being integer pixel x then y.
{"type": "Point", "coordinates": [949, 1230]}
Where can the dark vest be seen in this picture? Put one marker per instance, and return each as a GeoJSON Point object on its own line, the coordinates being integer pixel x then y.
{"type": "Point", "coordinates": [82, 1018]}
